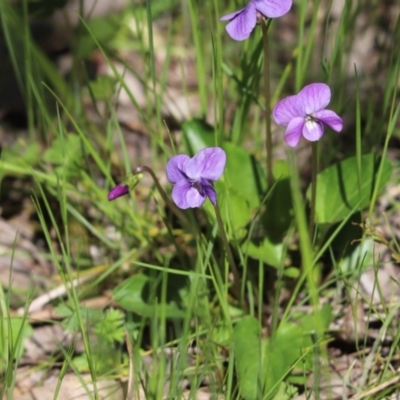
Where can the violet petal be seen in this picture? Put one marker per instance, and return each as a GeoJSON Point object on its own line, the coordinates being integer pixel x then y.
{"type": "Point", "coordinates": [315, 97]}
{"type": "Point", "coordinates": [313, 130]}
{"type": "Point", "coordinates": [208, 163]}
{"type": "Point", "coordinates": [174, 167]}
{"type": "Point", "coordinates": [243, 23]}
{"type": "Point", "coordinates": [331, 119]}
{"type": "Point", "coordinates": [180, 192]}
{"type": "Point", "coordinates": [273, 8]}
{"type": "Point", "coordinates": [210, 191]}
{"type": "Point", "coordinates": [287, 109]}
{"type": "Point", "coordinates": [230, 16]}
{"type": "Point", "coordinates": [294, 131]}
{"type": "Point", "coordinates": [195, 198]}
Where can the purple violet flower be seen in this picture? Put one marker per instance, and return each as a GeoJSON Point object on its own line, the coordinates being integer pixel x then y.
{"type": "Point", "coordinates": [304, 114]}
{"type": "Point", "coordinates": [192, 177]}
{"type": "Point", "coordinates": [243, 21]}
{"type": "Point", "coordinates": [118, 191]}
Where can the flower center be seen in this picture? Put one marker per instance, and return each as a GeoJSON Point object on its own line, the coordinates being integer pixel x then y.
{"type": "Point", "coordinates": [197, 185]}
{"type": "Point", "coordinates": [311, 118]}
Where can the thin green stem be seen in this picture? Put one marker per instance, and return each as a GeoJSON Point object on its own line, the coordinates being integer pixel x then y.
{"type": "Point", "coordinates": [270, 176]}
{"type": "Point", "coordinates": [198, 43]}
{"type": "Point", "coordinates": [4, 332]}
{"type": "Point", "coordinates": [231, 260]}
{"type": "Point", "coordinates": [179, 214]}
{"type": "Point", "coordinates": [306, 249]}
{"type": "Point", "coordinates": [314, 171]}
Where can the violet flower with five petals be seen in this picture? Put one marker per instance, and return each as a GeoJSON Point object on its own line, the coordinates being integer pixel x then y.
{"type": "Point", "coordinates": [242, 22]}
{"type": "Point", "coordinates": [305, 114]}
{"type": "Point", "coordinates": [192, 177]}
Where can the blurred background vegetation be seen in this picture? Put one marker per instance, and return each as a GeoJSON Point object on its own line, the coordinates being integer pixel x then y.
{"type": "Point", "coordinates": [122, 292]}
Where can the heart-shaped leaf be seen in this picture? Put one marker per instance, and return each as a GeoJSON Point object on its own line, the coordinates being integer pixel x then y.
{"type": "Point", "coordinates": [142, 294]}
{"type": "Point", "coordinates": [265, 251]}
{"type": "Point", "coordinates": [339, 191]}
{"type": "Point", "coordinates": [247, 347]}
{"type": "Point", "coordinates": [197, 135]}
{"type": "Point", "coordinates": [235, 211]}
{"type": "Point", "coordinates": [244, 173]}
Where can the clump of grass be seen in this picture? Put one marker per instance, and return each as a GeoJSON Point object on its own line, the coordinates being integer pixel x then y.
{"type": "Point", "coordinates": [237, 299]}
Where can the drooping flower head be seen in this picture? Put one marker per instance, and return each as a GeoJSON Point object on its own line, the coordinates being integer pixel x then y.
{"type": "Point", "coordinates": [305, 114]}
{"type": "Point", "coordinates": [128, 183]}
{"type": "Point", "coordinates": [243, 21]}
{"type": "Point", "coordinates": [118, 191]}
{"type": "Point", "coordinates": [192, 177]}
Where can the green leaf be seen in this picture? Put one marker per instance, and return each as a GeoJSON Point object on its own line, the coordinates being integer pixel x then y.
{"type": "Point", "coordinates": [338, 193]}
{"type": "Point", "coordinates": [104, 29]}
{"type": "Point", "coordinates": [235, 207]}
{"type": "Point", "coordinates": [103, 87]}
{"type": "Point", "coordinates": [23, 152]}
{"type": "Point", "coordinates": [111, 326]}
{"type": "Point", "coordinates": [286, 392]}
{"type": "Point", "coordinates": [281, 170]}
{"type": "Point", "coordinates": [66, 152]}
{"type": "Point", "coordinates": [235, 210]}
{"type": "Point", "coordinates": [343, 244]}
{"type": "Point", "coordinates": [244, 174]}
{"type": "Point", "coordinates": [278, 214]}
{"type": "Point", "coordinates": [361, 257]}
{"type": "Point", "coordinates": [16, 330]}
{"type": "Point", "coordinates": [222, 335]}
{"type": "Point", "coordinates": [104, 358]}
{"type": "Point", "coordinates": [265, 251]}
{"type": "Point", "coordinates": [62, 310]}
{"type": "Point", "coordinates": [142, 295]}
{"type": "Point", "coordinates": [71, 322]}
{"type": "Point", "coordinates": [291, 272]}
{"type": "Point", "coordinates": [63, 149]}
{"type": "Point", "coordinates": [279, 356]}
{"type": "Point", "coordinates": [197, 135]}
{"type": "Point", "coordinates": [247, 348]}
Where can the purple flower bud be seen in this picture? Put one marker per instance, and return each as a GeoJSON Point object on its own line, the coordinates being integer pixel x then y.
{"type": "Point", "coordinates": [118, 191]}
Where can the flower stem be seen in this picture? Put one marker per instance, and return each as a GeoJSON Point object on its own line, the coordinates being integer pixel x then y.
{"type": "Point", "coordinates": [314, 170]}
{"type": "Point", "coordinates": [270, 176]}
{"type": "Point", "coordinates": [236, 276]}
{"type": "Point", "coordinates": [180, 215]}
